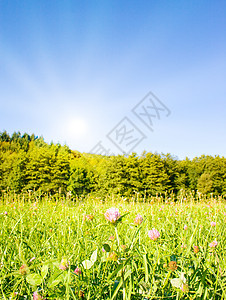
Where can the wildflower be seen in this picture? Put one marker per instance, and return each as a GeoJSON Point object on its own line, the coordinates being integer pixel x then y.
{"type": "Point", "coordinates": [124, 247]}
{"type": "Point", "coordinates": [81, 294]}
{"type": "Point", "coordinates": [213, 244]}
{"type": "Point", "coordinates": [112, 215]}
{"type": "Point", "coordinates": [184, 287]}
{"type": "Point", "coordinates": [153, 234]}
{"type": "Point", "coordinates": [88, 217]}
{"type": "Point", "coordinates": [14, 295]}
{"type": "Point", "coordinates": [113, 256]}
{"type": "Point", "coordinates": [196, 249]}
{"type": "Point", "coordinates": [111, 238]}
{"type": "Point", "coordinates": [77, 271]}
{"type": "Point", "coordinates": [172, 265]}
{"type": "Point", "coordinates": [64, 264]}
{"type": "Point", "coordinates": [33, 258]}
{"type": "Point", "coordinates": [138, 220]}
{"type": "Point", "coordinates": [183, 246]}
{"type": "Point", "coordinates": [36, 296]}
{"type": "Point", "coordinates": [213, 224]}
{"type": "Point", "coordinates": [5, 213]}
{"type": "Point", "coordinates": [185, 227]}
{"type": "Point", "coordinates": [23, 269]}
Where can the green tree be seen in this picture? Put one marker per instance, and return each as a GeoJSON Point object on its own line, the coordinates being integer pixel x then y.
{"type": "Point", "coordinates": [173, 172]}
{"type": "Point", "coordinates": [48, 167]}
{"type": "Point", "coordinates": [153, 174]}
{"type": "Point", "coordinates": [4, 137]}
{"type": "Point", "coordinates": [12, 170]}
{"type": "Point", "coordinates": [205, 183]}
{"type": "Point", "coordinates": [133, 175]}
{"type": "Point", "coordinates": [113, 180]}
{"type": "Point", "coordinates": [83, 178]}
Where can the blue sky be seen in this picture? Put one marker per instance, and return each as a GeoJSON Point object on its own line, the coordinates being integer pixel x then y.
{"type": "Point", "coordinates": [72, 70]}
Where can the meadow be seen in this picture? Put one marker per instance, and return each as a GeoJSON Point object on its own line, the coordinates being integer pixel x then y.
{"type": "Point", "coordinates": [56, 247]}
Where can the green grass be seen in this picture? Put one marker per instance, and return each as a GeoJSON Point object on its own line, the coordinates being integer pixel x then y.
{"type": "Point", "coordinates": [38, 235]}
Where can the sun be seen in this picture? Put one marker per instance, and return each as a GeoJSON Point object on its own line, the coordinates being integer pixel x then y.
{"type": "Point", "coordinates": [76, 127]}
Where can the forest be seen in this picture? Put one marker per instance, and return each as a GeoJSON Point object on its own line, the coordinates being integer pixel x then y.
{"type": "Point", "coordinates": [27, 162]}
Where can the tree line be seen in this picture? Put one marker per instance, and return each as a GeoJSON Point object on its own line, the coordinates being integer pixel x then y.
{"type": "Point", "coordinates": [27, 162]}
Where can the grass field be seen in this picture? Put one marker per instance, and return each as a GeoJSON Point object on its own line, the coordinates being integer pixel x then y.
{"type": "Point", "coordinates": [56, 248]}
